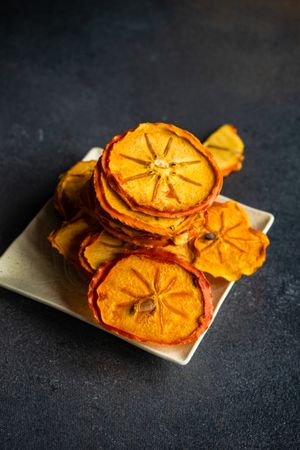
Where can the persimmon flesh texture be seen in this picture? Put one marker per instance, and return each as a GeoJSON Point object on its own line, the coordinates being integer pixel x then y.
{"type": "Point", "coordinates": [150, 300]}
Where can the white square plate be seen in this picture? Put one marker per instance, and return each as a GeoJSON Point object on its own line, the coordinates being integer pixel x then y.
{"type": "Point", "coordinates": [30, 267]}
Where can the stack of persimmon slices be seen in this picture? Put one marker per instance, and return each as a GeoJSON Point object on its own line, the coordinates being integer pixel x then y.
{"type": "Point", "coordinates": [143, 223]}
{"type": "Point", "coordinates": [157, 180]}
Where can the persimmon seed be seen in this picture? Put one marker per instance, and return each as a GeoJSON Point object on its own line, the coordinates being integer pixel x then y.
{"type": "Point", "coordinates": [147, 306]}
{"type": "Point", "coordinates": [210, 236]}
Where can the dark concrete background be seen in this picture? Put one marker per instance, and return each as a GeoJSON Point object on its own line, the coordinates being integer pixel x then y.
{"type": "Point", "coordinates": [71, 78]}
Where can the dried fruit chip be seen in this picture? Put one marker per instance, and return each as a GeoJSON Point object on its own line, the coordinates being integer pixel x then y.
{"type": "Point", "coordinates": [98, 248]}
{"type": "Point", "coordinates": [112, 203]}
{"type": "Point", "coordinates": [87, 198]}
{"type": "Point", "coordinates": [229, 247]}
{"type": "Point", "coordinates": [196, 227]}
{"type": "Point", "coordinates": [151, 296]}
{"type": "Point", "coordinates": [128, 234]}
{"type": "Point", "coordinates": [68, 237]}
{"type": "Point", "coordinates": [184, 251]}
{"type": "Point", "coordinates": [161, 170]}
{"type": "Point", "coordinates": [227, 149]}
{"type": "Point", "coordinates": [67, 194]}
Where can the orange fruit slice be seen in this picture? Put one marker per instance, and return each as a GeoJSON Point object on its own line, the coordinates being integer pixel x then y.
{"type": "Point", "coordinates": [161, 170]}
{"type": "Point", "coordinates": [87, 198]}
{"type": "Point", "coordinates": [68, 237]}
{"type": "Point", "coordinates": [131, 235]}
{"type": "Point", "coordinates": [227, 148]}
{"type": "Point", "coordinates": [228, 247]}
{"type": "Point", "coordinates": [112, 203]}
{"type": "Point", "coordinates": [151, 296]}
{"type": "Point", "coordinates": [143, 238]}
{"type": "Point", "coordinates": [183, 251]}
{"type": "Point", "coordinates": [97, 248]}
{"type": "Point", "coordinates": [67, 193]}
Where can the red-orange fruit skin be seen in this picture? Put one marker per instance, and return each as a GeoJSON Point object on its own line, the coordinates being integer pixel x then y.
{"type": "Point", "coordinates": [142, 239]}
{"type": "Point", "coordinates": [88, 240]}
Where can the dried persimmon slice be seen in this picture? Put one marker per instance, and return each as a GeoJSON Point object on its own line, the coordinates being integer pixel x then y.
{"type": "Point", "coordinates": [68, 237]}
{"type": "Point", "coordinates": [151, 296]}
{"type": "Point", "coordinates": [227, 149]}
{"type": "Point", "coordinates": [161, 170]}
{"type": "Point", "coordinates": [87, 199]}
{"type": "Point", "coordinates": [184, 251]}
{"type": "Point", "coordinates": [113, 204]}
{"type": "Point", "coordinates": [228, 247]}
{"type": "Point", "coordinates": [131, 235]}
{"type": "Point", "coordinates": [97, 248]}
{"type": "Point", "coordinates": [67, 199]}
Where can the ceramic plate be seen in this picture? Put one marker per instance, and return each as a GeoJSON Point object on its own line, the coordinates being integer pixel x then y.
{"type": "Point", "coordinates": [32, 268]}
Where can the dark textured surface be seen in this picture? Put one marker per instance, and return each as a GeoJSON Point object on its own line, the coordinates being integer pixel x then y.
{"type": "Point", "coordinates": [70, 79]}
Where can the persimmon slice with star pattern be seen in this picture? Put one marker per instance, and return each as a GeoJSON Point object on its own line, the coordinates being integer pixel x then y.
{"type": "Point", "coordinates": [161, 170]}
{"type": "Point", "coordinates": [227, 148]}
{"type": "Point", "coordinates": [151, 296]}
{"type": "Point", "coordinates": [228, 247]}
{"type": "Point", "coordinates": [67, 198]}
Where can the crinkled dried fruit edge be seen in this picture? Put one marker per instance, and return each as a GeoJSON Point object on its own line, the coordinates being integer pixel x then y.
{"type": "Point", "coordinates": [130, 221]}
{"type": "Point", "coordinates": [265, 242]}
{"type": "Point", "coordinates": [88, 240]}
{"type": "Point", "coordinates": [239, 163]}
{"type": "Point", "coordinates": [74, 261]}
{"type": "Point", "coordinates": [60, 199]}
{"type": "Point", "coordinates": [136, 237]}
